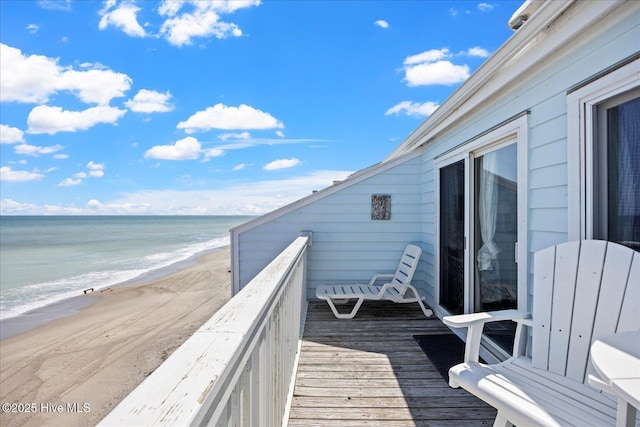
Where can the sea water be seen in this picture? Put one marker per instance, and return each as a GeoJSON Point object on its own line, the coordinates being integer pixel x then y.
{"type": "Point", "coordinates": [45, 259]}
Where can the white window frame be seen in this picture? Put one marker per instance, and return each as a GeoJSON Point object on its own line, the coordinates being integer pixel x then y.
{"type": "Point", "coordinates": [515, 131]}
{"type": "Point", "coordinates": [582, 115]}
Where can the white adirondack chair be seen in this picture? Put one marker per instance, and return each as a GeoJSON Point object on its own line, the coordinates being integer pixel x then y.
{"type": "Point", "coordinates": [583, 291]}
{"type": "Point", "coordinates": [398, 289]}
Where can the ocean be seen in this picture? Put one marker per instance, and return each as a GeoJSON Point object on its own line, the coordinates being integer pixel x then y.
{"type": "Point", "coordinates": [46, 259]}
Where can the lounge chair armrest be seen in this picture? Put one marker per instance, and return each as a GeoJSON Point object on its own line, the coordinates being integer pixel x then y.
{"type": "Point", "coordinates": [475, 322]}
{"type": "Point", "coordinates": [379, 276]}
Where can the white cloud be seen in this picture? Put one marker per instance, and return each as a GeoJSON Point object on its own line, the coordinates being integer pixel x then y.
{"type": "Point", "coordinates": [432, 55]}
{"type": "Point", "coordinates": [280, 133]}
{"type": "Point", "coordinates": [94, 204]}
{"type": "Point", "coordinates": [33, 150]}
{"type": "Point", "coordinates": [46, 119]}
{"type": "Point", "coordinates": [485, 7]}
{"type": "Point", "coordinates": [203, 20]}
{"type": "Point", "coordinates": [96, 170]}
{"type": "Point", "coordinates": [252, 142]}
{"type": "Point", "coordinates": [224, 117]}
{"type": "Point", "coordinates": [70, 182]}
{"type": "Point", "coordinates": [26, 78]}
{"type": "Point", "coordinates": [32, 28]}
{"type": "Point", "coordinates": [239, 167]}
{"type": "Point", "coordinates": [281, 164]}
{"type": "Point", "coordinates": [10, 206]}
{"type": "Point", "coordinates": [35, 78]}
{"type": "Point", "coordinates": [64, 5]}
{"type": "Point", "coordinates": [150, 101]}
{"type": "Point", "coordinates": [95, 86]}
{"type": "Point", "coordinates": [251, 198]}
{"type": "Point", "coordinates": [8, 174]}
{"type": "Point", "coordinates": [413, 109]}
{"type": "Point", "coordinates": [213, 152]}
{"type": "Point", "coordinates": [184, 149]}
{"type": "Point", "coordinates": [235, 135]}
{"type": "Point", "coordinates": [61, 156]}
{"type": "Point", "coordinates": [381, 23]}
{"type": "Point", "coordinates": [10, 135]}
{"type": "Point", "coordinates": [477, 51]}
{"type": "Point", "coordinates": [123, 16]}
{"type": "Point", "coordinates": [430, 68]}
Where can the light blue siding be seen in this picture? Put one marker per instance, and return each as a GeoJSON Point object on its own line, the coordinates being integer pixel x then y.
{"type": "Point", "coordinates": [347, 245]}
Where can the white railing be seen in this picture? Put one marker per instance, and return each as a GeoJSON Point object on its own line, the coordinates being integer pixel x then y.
{"type": "Point", "coordinates": [237, 368]}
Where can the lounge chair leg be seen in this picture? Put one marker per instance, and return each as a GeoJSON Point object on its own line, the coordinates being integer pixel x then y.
{"type": "Point", "coordinates": [345, 315]}
{"type": "Point", "coordinates": [427, 311]}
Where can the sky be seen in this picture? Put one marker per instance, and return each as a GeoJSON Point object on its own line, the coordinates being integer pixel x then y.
{"type": "Point", "coordinates": [226, 107]}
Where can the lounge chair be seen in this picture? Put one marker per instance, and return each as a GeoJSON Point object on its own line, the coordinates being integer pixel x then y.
{"type": "Point", "coordinates": [398, 289]}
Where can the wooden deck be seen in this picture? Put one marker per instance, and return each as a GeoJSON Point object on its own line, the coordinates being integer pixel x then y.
{"type": "Point", "coordinates": [369, 371]}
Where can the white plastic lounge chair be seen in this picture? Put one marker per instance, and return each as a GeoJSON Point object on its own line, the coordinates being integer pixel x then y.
{"type": "Point", "coordinates": [396, 290]}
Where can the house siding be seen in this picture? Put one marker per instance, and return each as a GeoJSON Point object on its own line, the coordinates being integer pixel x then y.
{"type": "Point", "coordinates": [347, 245]}
{"type": "Point", "coordinates": [543, 94]}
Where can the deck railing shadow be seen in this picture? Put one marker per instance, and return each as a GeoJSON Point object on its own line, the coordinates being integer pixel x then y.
{"type": "Point", "coordinates": [370, 371]}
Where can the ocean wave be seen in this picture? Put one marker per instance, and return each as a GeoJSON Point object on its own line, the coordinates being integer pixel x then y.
{"type": "Point", "coordinates": [20, 300]}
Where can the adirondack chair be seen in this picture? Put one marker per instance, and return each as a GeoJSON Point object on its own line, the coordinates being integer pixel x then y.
{"type": "Point", "coordinates": [583, 291]}
{"type": "Point", "coordinates": [398, 289]}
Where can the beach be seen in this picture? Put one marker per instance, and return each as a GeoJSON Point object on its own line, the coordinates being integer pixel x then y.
{"type": "Point", "coordinates": [74, 370]}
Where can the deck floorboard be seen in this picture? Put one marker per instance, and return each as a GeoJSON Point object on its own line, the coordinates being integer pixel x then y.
{"type": "Point", "coordinates": [369, 371]}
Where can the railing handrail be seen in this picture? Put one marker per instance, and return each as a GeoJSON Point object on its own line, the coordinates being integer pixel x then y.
{"type": "Point", "coordinates": [190, 387]}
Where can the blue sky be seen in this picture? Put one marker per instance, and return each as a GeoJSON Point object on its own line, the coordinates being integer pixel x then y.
{"type": "Point", "coordinates": [219, 107]}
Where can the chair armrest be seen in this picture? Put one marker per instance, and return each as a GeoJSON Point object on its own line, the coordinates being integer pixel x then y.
{"type": "Point", "coordinates": [475, 322]}
{"type": "Point", "coordinates": [379, 276]}
{"type": "Point", "coordinates": [462, 320]}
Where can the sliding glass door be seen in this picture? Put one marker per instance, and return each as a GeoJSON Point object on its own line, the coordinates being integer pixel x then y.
{"type": "Point", "coordinates": [480, 226]}
{"type": "Point", "coordinates": [452, 240]}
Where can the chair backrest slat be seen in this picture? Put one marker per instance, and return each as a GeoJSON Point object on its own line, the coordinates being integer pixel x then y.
{"type": "Point", "coordinates": [407, 265]}
{"type": "Point", "coordinates": [583, 291]}
{"type": "Point", "coordinates": [630, 313]}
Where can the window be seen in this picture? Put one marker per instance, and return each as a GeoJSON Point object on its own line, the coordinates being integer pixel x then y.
{"type": "Point", "coordinates": [604, 158]}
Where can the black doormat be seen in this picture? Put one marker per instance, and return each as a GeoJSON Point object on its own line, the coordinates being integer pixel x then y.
{"type": "Point", "coordinates": [443, 350]}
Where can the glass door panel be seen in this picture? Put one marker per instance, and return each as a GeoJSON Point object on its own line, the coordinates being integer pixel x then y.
{"type": "Point", "coordinates": [452, 247]}
{"type": "Point", "coordinates": [496, 236]}
{"type": "Point", "coordinates": [621, 182]}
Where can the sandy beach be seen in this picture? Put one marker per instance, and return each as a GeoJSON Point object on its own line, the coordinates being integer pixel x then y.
{"type": "Point", "coordinates": [74, 370]}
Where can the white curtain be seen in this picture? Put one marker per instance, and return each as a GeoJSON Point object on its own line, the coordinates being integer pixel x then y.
{"type": "Point", "coordinates": [488, 212]}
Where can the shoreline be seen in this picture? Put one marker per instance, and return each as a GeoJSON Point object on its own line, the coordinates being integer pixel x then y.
{"type": "Point", "coordinates": [40, 316]}
{"type": "Point", "coordinates": [94, 358]}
